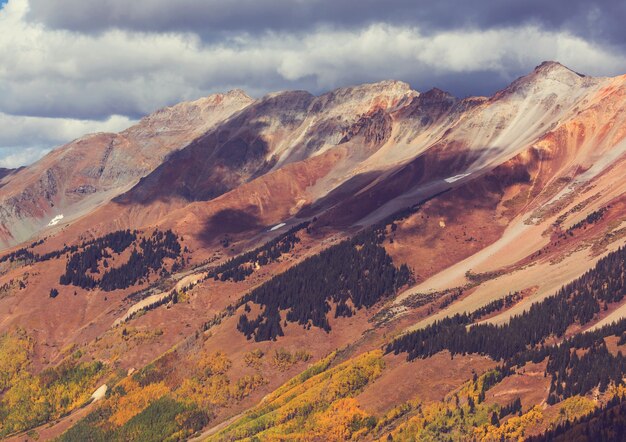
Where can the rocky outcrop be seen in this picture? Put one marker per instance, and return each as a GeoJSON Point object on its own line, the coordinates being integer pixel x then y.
{"type": "Point", "coordinates": [374, 128]}
{"type": "Point", "coordinates": [279, 129]}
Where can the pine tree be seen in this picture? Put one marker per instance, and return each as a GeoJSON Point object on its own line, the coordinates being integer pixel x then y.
{"type": "Point", "coordinates": [494, 419]}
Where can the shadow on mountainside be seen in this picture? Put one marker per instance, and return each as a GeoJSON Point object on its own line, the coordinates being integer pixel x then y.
{"type": "Point", "coordinates": [207, 168]}
{"type": "Point", "coordinates": [229, 222]}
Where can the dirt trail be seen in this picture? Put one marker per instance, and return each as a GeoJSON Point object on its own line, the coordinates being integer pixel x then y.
{"type": "Point", "coordinates": [48, 432]}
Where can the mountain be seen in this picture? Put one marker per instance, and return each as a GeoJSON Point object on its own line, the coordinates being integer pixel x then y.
{"type": "Point", "coordinates": [74, 179]}
{"type": "Point", "coordinates": [372, 263]}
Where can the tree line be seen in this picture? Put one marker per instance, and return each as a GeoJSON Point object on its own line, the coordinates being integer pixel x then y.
{"type": "Point", "coordinates": [606, 423]}
{"type": "Point", "coordinates": [240, 267]}
{"type": "Point", "coordinates": [25, 254]}
{"type": "Point", "coordinates": [353, 274]}
{"type": "Point", "coordinates": [592, 218]}
{"type": "Point", "coordinates": [148, 255]}
{"type": "Point", "coordinates": [523, 338]}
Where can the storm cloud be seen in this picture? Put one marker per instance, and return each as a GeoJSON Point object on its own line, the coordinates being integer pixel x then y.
{"type": "Point", "coordinates": [599, 20]}
{"type": "Point", "coordinates": [73, 65]}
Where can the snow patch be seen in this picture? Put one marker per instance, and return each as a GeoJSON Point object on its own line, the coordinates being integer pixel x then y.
{"type": "Point", "coordinates": [56, 220]}
{"type": "Point", "coordinates": [278, 226]}
{"type": "Point", "coordinates": [454, 178]}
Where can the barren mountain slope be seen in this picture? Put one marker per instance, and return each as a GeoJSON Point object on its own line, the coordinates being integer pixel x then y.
{"type": "Point", "coordinates": [74, 179]}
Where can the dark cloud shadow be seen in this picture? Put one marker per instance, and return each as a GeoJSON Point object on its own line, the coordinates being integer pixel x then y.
{"type": "Point", "coordinates": [230, 222]}
{"type": "Point", "coordinates": [427, 171]}
{"type": "Point", "coordinates": [338, 194]}
{"type": "Point", "coordinates": [4, 172]}
{"type": "Point", "coordinates": [223, 159]}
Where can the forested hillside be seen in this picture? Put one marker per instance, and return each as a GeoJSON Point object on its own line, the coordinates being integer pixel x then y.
{"type": "Point", "coordinates": [524, 338]}
{"type": "Point", "coordinates": [351, 275]}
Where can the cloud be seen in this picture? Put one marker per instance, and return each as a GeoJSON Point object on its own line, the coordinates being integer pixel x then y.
{"type": "Point", "coordinates": [37, 130]}
{"type": "Point", "coordinates": [59, 73]}
{"type": "Point", "coordinates": [589, 19]}
{"type": "Point", "coordinates": [70, 62]}
{"type": "Point", "coordinates": [25, 139]}
{"type": "Point", "coordinates": [16, 157]}
{"type": "Point", "coordinates": [384, 51]}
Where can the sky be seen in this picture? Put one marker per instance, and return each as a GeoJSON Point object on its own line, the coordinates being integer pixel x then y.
{"type": "Point", "coordinates": [71, 67]}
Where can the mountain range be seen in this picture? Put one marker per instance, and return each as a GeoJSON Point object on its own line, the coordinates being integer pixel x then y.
{"type": "Point", "coordinates": [373, 263]}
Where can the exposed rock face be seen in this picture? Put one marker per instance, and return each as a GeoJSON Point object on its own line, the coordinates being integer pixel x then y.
{"type": "Point", "coordinates": [89, 171]}
{"type": "Point", "coordinates": [374, 128]}
{"type": "Point", "coordinates": [430, 106]}
{"type": "Point", "coordinates": [280, 128]}
{"type": "Point", "coordinates": [198, 151]}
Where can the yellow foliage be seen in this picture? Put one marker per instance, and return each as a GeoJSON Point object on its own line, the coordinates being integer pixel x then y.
{"type": "Point", "coordinates": [513, 429]}
{"type": "Point", "coordinates": [246, 385]}
{"type": "Point", "coordinates": [339, 421]}
{"type": "Point", "coordinates": [212, 387]}
{"type": "Point", "coordinates": [215, 363]}
{"type": "Point", "coordinates": [617, 391]}
{"type": "Point", "coordinates": [253, 358]}
{"type": "Point", "coordinates": [30, 400]}
{"type": "Point", "coordinates": [315, 369]}
{"type": "Point", "coordinates": [575, 407]}
{"type": "Point", "coordinates": [455, 416]}
{"type": "Point", "coordinates": [25, 402]}
{"type": "Point", "coordinates": [69, 385]}
{"type": "Point", "coordinates": [311, 402]}
{"type": "Point", "coordinates": [397, 412]}
{"type": "Point", "coordinates": [62, 397]}
{"type": "Point", "coordinates": [284, 359]}
{"type": "Point", "coordinates": [135, 400]}
{"type": "Point", "coordinates": [139, 335]}
{"type": "Point", "coordinates": [416, 427]}
{"type": "Point", "coordinates": [14, 353]}
{"type": "Point", "coordinates": [215, 391]}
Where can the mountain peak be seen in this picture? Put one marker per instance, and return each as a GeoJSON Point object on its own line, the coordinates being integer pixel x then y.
{"type": "Point", "coordinates": [363, 98]}
{"type": "Point", "coordinates": [237, 93]}
{"type": "Point", "coordinates": [548, 77]}
{"type": "Point", "coordinates": [191, 112]}
{"type": "Point", "coordinates": [554, 67]}
{"type": "Point", "coordinates": [437, 94]}
{"type": "Point", "coordinates": [386, 87]}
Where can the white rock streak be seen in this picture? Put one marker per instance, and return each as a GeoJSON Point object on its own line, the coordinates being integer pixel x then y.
{"type": "Point", "coordinates": [454, 178]}
{"type": "Point", "coordinates": [277, 226]}
{"type": "Point", "coordinates": [56, 220]}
